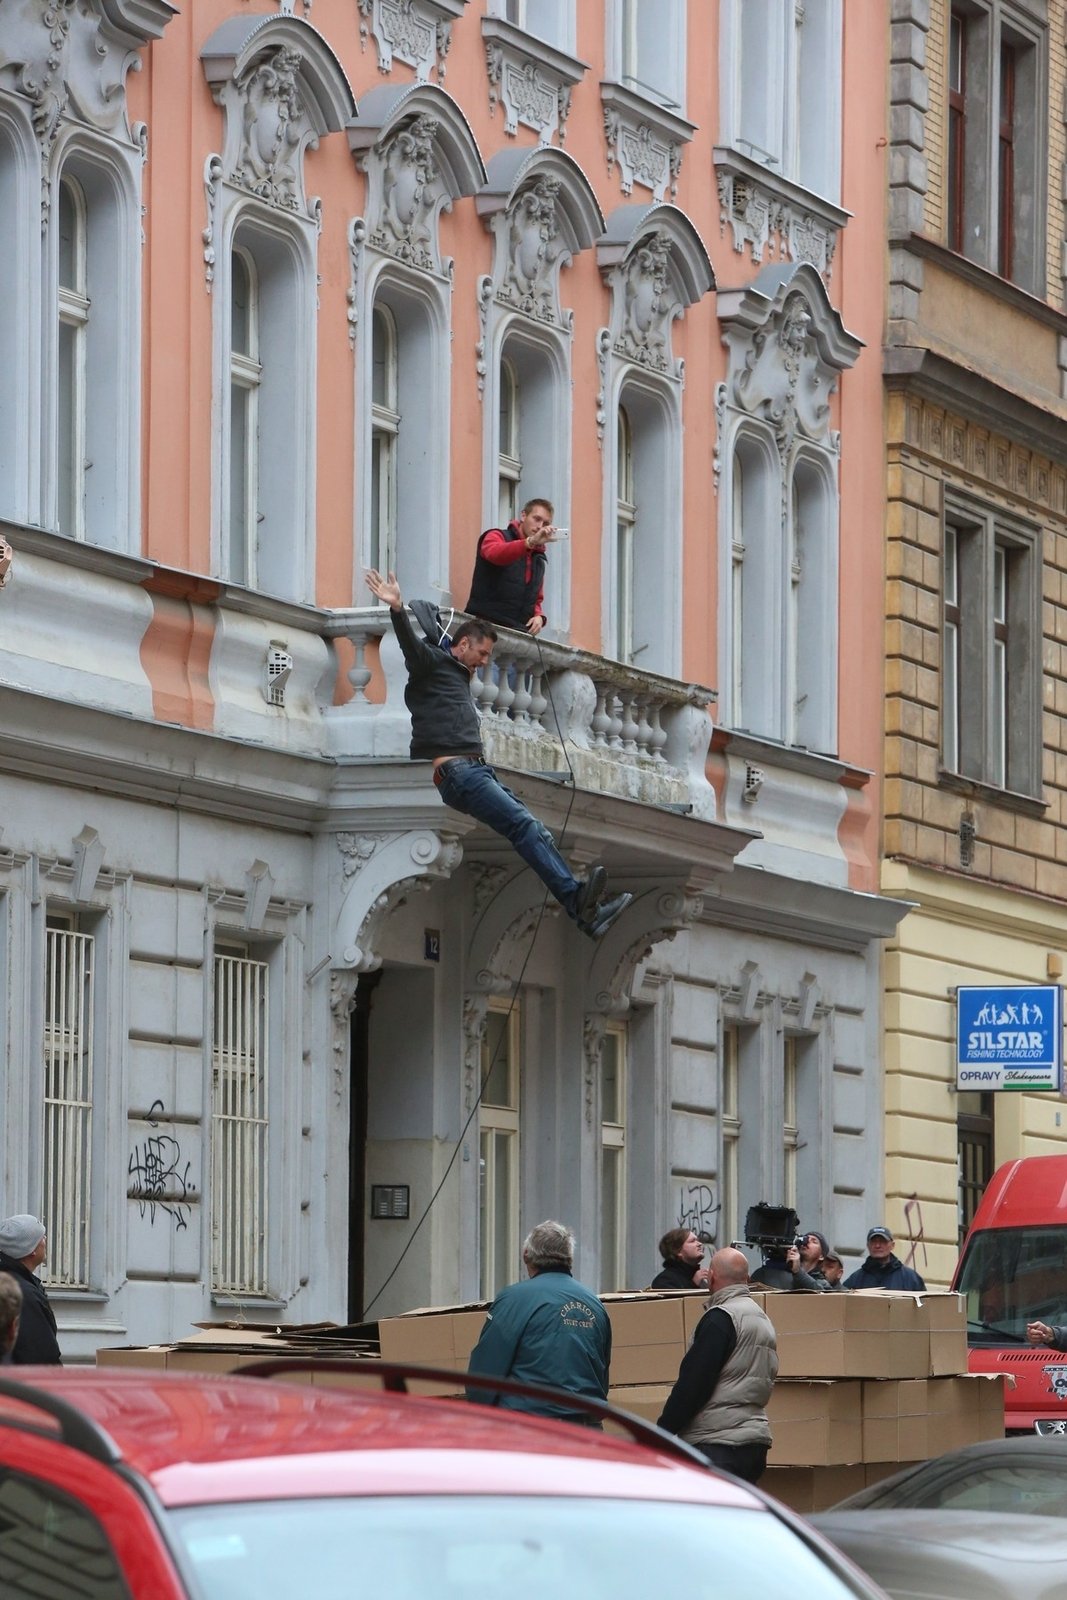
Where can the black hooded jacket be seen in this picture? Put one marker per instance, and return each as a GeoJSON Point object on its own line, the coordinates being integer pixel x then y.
{"type": "Point", "coordinates": [37, 1344]}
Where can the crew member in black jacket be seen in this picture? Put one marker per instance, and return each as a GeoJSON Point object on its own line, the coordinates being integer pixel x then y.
{"type": "Point", "coordinates": [445, 729]}
{"type": "Point", "coordinates": [23, 1247]}
{"type": "Point", "coordinates": [508, 586]}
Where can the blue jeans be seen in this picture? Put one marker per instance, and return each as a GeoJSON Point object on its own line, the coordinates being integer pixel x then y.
{"type": "Point", "coordinates": [474, 788]}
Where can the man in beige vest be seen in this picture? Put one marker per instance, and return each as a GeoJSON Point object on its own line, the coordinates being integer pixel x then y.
{"type": "Point", "coordinates": [719, 1398]}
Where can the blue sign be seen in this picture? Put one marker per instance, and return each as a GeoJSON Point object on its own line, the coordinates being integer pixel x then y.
{"type": "Point", "coordinates": [1009, 1038]}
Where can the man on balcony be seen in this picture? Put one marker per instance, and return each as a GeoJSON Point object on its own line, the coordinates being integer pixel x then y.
{"type": "Point", "coordinates": [508, 586]}
{"type": "Point", "coordinates": [445, 729]}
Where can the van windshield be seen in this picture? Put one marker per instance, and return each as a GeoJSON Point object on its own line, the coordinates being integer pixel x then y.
{"type": "Point", "coordinates": [1012, 1276]}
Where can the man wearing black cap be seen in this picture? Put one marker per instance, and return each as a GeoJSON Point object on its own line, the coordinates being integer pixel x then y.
{"type": "Point", "coordinates": [813, 1254]}
{"type": "Point", "coordinates": [882, 1269]}
{"type": "Point", "coordinates": [23, 1247]}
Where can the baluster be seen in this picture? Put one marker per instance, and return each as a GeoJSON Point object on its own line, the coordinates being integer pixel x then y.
{"type": "Point", "coordinates": [538, 697]}
{"type": "Point", "coordinates": [484, 689]}
{"type": "Point", "coordinates": [601, 718]}
{"type": "Point", "coordinates": [505, 694]}
{"type": "Point", "coordinates": [359, 675]}
{"type": "Point", "coordinates": [520, 709]}
{"type": "Point", "coordinates": [644, 726]}
{"type": "Point", "coordinates": [629, 725]}
{"type": "Point", "coordinates": [658, 736]}
{"type": "Point", "coordinates": [615, 726]}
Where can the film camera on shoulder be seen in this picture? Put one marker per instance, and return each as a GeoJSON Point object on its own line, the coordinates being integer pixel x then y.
{"type": "Point", "coordinates": [773, 1231]}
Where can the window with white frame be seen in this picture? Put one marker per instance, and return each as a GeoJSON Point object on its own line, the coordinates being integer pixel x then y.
{"type": "Point", "coordinates": [90, 379]}
{"type": "Point", "coordinates": [991, 649]}
{"type": "Point", "coordinates": [780, 98]}
{"type": "Point", "coordinates": [266, 497]}
{"type": "Point", "coordinates": [645, 592]}
{"type": "Point", "coordinates": [651, 49]}
{"type": "Point", "coordinates": [498, 1149]}
{"type": "Point", "coordinates": [810, 586]}
{"type": "Point", "coordinates": [385, 428]}
{"type": "Point", "coordinates": [730, 1217]}
{"type": "Point", "coordinates": [73, 339]}
{"type": "Point", "coordinates": [790, 1121]}
{"type": "Point", "coordinates": [509, 457]}
{"type": "Point", "coordinates": [625, 522]}
{"type": "Point", "coordinates": [69, 1030]}
{"type": "Point", "coordinates": [613, 1093]}
{"type": "Point", "coordinates": [246, 374]}
{"type": "Point", "coordinates": [239, 1122]}
{"type": "Point", "coordinates": [737, 586]}
{"type": "Point", "coordinates": [18, 270]}
{"type": "Point", "coordinates": [997, 94]}
{"type": "Point", "coordinates": [550, 20]}
{"type": "Point", "coordinates": [756, 619]}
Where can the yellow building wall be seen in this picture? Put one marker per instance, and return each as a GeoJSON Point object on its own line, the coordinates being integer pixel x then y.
{"type": "Point", "coordinates": [961, 932]}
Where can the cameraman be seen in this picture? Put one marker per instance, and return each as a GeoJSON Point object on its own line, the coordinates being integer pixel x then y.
{"type": "Point", "coordinates": [782, 1269]}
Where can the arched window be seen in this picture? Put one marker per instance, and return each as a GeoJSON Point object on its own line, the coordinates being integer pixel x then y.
{"type": "Point", "coordinates": [756, 598]}
{"type": "Point", "coordinates": [533, 421]}
{"type": "Point", "coordinates": [625, 520]}
{"type": "Point", "coordinates": [73, 312]}
{"type": "Point", "coordinates": [266, 500]}
{"type": "Point", "coordinates": [509, 456]}
{"type": "Point", "coordinates": [246, 373]}
{"type": "Point", "coordinates": [385, 429]}
{"type": "Point", "coordinates": [810, 690]}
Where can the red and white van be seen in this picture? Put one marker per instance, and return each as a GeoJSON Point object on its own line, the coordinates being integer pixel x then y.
{"type": "Point", "coordinates": [1013, 1270]}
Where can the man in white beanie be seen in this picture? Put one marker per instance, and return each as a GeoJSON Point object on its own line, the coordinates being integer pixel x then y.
{"type": "Point", "coordinates": [23, 1246]}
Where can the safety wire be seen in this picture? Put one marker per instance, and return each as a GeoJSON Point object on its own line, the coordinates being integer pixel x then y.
{"type": "Point", "coordinates": [516, 987]}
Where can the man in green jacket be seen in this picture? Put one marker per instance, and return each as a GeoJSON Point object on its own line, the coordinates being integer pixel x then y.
{"type": "Point", "coordinates": [547, 1330]}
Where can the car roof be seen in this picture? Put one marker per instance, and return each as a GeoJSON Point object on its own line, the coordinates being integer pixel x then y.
{"type": "Point", "coordinates": [199, 1438]}
{"type": "Point", "coordinates": [956, 1555]}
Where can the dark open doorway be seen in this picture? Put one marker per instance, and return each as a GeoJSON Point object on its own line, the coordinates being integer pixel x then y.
{"type": "Point", "coordinates": [359, 1073]}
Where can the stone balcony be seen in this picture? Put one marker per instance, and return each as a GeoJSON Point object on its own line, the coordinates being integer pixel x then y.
{"type": "Point", "coordinates": [546, 708]}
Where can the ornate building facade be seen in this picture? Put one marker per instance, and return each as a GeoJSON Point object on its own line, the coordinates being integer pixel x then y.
{"type": "Point", "coordinates": [292, 295]}
{"type": "Point", "coordinates": [975, 366]}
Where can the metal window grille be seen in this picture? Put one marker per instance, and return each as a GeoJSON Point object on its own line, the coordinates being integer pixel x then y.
{"type": "Point", "coordinates": [239, 1127]}
{"type": "Point", "coordinates": [68, 1103]}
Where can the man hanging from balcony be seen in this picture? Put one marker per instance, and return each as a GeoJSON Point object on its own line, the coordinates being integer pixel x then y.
{"type": "Point", "coordinates": [508, 586]}
{"type": "Point", "coordinates": [445, 729]}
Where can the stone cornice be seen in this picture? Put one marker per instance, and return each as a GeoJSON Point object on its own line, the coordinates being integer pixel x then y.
{"type": "Point", "coordinates": [948, 380]}
{"type": "Point", "coordinates": [530, 78]}
{"type": "Point", "coordinates": [772, 214]}
{"type": "Point", "coordinates": [1002, 289]}
{"type": "Point", "coordinates": [644, 140]}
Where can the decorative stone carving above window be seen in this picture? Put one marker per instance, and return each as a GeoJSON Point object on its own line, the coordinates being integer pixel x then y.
{"type": "Point", "coordinates": [70, 62]}
{"type": "Point", "coordinates": [281, 88]}
{"type": "Point", "coordinates": [655, 264]}
{"type": "Point", "coordinates": [541, 210]}
{"type": "Point", "coordinates": [774, 217]}
{"type": "Point", "coordinates": [644, 140]}
{"type": "Point", "coordinates": [418, 32]}
{"type": "Point", "coordinates": [531, 79]}
{"type": "Point", "coordinates": [787, 348]}
{"type": "Point", "coordinates": [420, 155]}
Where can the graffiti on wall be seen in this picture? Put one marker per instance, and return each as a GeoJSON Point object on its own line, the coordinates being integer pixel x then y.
{"type": "Point", "coordinates": [159, 1178]}
{"type": "Point", "coordinates": [698, 1210]}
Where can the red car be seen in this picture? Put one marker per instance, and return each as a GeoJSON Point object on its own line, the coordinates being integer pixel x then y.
{"type": "Point", "coordinates": [144, 1485]}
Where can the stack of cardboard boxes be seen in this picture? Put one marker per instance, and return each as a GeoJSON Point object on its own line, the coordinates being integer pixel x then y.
{"type": "Point", "coordinates": [867, 1382]}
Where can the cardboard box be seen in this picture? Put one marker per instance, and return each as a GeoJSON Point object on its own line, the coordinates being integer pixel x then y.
{"type": "Point", "coordinates": [815, 1423]}
{"type": "Point", "coordinates": [438, 1339]}
{"type": "Point", "coordinates": [644, 1400]}
{"type": "Point", "coordinates": [807, 1489]}
{"type": "Point", "coordinates": [965, 1410]}
{"type": "Point", "coordinates": [895, 1419]}
{"type": "Point", "coordinates": [648, 1338]}
{"type": "Point", "coordinates": [946, 1315]}
{"type": "Point", "coordinates": [865, 1334]}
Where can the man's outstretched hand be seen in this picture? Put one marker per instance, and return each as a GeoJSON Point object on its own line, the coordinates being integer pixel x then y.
{"type": "Point", "coordinates": [535, 625]}
{"type": "Point", "coordinates": [386, 589]}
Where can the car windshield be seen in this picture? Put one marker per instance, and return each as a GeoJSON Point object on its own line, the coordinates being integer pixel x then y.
{"type": "Point", "coordinates": [1012, 1276]}
{"type": "Point", "coordinates": [1038, 1490]}
{"type": "Point", "coordinates": [495, 1548]}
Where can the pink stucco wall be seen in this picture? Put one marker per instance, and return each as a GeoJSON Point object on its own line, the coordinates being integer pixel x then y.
{"type": "Point", "coordinates": [185, 126]}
